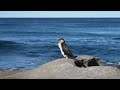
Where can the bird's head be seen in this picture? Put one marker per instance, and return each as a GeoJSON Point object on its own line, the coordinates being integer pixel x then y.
{"type": "Point", "coordinates": [61, 40]}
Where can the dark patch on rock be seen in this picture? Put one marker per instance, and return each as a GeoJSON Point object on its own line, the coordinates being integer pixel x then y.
{"type": "Point", "coordinates": [87, 62]}
{"type": "Point", "coordinates": [93, 62]}
{"type": "Point", "coordinates": [79, 64]}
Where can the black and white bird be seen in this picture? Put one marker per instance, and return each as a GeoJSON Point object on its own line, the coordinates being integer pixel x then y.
{"type": "Point", "coordinates": [66, 52]}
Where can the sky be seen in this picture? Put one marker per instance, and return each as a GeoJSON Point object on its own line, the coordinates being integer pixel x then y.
{"type": "Point", "coordinates": [59, 14]}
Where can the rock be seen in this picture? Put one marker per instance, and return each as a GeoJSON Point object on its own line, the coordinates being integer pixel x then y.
{"type": "Point", "coordinates": [64, 68]}
{"type": "Point", "coordinates": [86, 61]}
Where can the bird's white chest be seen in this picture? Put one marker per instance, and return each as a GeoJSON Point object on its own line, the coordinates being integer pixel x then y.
{"type": "Point", "coordinates": [60, 46]}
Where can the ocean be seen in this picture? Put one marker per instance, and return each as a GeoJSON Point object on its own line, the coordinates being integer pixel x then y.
{"type": "Point", "coordinates": [26, 43]}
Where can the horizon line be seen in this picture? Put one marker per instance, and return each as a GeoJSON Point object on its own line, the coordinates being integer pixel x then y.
{"type": "Point", "coordinates": [59, 17]}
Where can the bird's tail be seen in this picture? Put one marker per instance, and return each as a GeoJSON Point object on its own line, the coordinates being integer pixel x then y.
{"type": "Point", "coordinates": [72, 57]}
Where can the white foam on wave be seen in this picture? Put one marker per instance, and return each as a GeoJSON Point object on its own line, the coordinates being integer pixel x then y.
{"type": "Point", "coordinates": [109, 63]}
{"type": "Point", "coordinates": [118, 63]}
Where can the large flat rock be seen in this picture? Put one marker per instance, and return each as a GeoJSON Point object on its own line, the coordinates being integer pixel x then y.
{"type": "Point", "coordinates": [65, 69]}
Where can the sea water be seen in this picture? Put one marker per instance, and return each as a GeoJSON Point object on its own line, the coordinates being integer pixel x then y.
{"type": "Point", "coordinates": [26, 43]}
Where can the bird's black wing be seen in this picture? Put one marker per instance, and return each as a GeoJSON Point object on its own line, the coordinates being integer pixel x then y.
{"type": "Point", "coordinates": [66, 50]}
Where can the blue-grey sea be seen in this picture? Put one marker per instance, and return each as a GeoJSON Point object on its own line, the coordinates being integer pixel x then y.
{"type": "Point", "coordinates": [26, 43]}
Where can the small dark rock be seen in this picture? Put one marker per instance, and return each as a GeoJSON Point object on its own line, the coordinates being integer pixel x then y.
{"type": "Point", "coordinates": [93, 62]}
{"type": "Point", "coordinates": [87, 61]}
{"type": "Point", "coordinates": [79, 64]}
